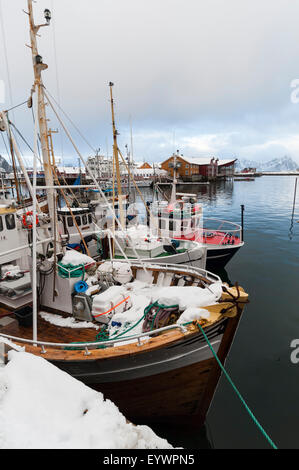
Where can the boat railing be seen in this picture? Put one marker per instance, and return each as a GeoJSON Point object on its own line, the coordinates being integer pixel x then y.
{"type": "Point", "coordinates": [220, 232]}
{"type": "Point", "coordinates": [183, 268]}
{"type": "Point", "coordinates": [92, 345]}
{"type": "Point", "coordinates": [165, 267]}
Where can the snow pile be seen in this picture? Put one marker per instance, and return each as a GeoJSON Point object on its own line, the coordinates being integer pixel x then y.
{"type": "Point", "coordinates": [76, 258]}
{"type": "Point", "coordinates": [68, 322]}
{"type": "Point", "coordinates": [43, 407]}
{"type": "Point", "coordinates": [190, 299]}
{"type": "Point", "coordinates": [193, 313]}
{"type": "Point", "coordinates": [187, 296]}
{"type": "Point", "coordinates": [121, 272]}
{"type": "Point", "coordinates": [135, 233]}
{"type": "Point", "coordinates": [138, 237]}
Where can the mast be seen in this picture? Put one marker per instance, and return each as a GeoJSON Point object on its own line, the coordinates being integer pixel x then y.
{"type": "Point", "coordinates": [51, 147]}
{"type": "Point", "coordinates": [14, 166]}
{"type": "Point", "coordinates": [97, 162]}
{"type": "Point", "coordinates": [38, 67]}
{"type": "Point", "coordinates": [116, 161]}
{"type": "Point", "coordinates": [173, 192]}
{"type": "Point", "coordinates": [132, 156]}
{"type": "Point", "coordinates": [129, 165]}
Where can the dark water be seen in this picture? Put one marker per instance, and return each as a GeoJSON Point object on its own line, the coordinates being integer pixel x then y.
{"type": "Point", "coordinates": [259, 361]}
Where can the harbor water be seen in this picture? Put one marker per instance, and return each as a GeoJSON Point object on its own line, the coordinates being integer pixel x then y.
{"type": "Point", "coordinates": [259, 361]}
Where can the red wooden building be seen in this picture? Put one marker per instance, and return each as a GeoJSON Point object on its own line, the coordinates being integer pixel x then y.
{"type": "Point", "coordinates": [196, 169]}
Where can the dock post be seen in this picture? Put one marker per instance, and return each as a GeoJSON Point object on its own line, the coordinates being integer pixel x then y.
{"type": "Point", "coordinates": [242, 221]}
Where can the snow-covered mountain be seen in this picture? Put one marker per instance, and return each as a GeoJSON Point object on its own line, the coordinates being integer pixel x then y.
{"type": "Point", "coordinates": [277, 164]}
{"type": "Point", "coordinates": [241, 164]}
{"type": "Point", "coordinates": [4, 164]}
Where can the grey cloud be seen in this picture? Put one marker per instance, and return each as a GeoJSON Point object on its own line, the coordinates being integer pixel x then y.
{"type": "Point", "coordinates": [195, 68]}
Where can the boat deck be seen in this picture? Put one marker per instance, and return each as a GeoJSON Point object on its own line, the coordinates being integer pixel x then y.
{"type": "Point", "coordinates": [219, 238]}
{"type": "Point", "coordinates": [46, 331]}
{"type": "Point", "coordinates": [215, 237]}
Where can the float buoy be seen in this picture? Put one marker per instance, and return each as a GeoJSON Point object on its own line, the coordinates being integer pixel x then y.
{"type": "Point", "coordinates": [25, 221]}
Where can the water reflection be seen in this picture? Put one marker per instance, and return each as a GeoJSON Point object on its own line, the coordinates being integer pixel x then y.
{"type": "Point", "coordinates": [223, 274]}
{"type": "Point", "coordinates": [186, 437]}
{"type": "Point", "coordinates": [206, 192]}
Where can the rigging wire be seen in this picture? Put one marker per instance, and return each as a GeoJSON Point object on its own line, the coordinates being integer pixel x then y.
{"type": "Point", "coordinates": [17, 105]}
{"type": "Point", "coordinates": [19, 147]}
{"type": "Point", "coordinates": [5, 145]}
{"type": "Point", "coordinates": [74, 125]}
{"type": "Point", "coordinates": [57, 79]}
{"type": "Point", "coordinates": [97, 185]}
{"type": "Point", "coordinates": [24, 140]}
{"type": "Point", "coordinates": [20, 134]}
{"type": "Point", "coordinates": [6, 55]}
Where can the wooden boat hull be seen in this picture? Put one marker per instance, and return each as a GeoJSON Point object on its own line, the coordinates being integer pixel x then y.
{"type": "Point", "coordinates": [171, 375]}
{"type": "Point", "coordinates": [171, 384]}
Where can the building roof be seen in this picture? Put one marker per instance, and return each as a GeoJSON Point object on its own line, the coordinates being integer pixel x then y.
{"type": "Point", "coordinates": [198, 160]}
{"type": "Point", "coordinates": [206, 160]}
{"type": "Point", "coordinates": [226, 161]}
{"type": "Point", "coordinates": [195, 160]}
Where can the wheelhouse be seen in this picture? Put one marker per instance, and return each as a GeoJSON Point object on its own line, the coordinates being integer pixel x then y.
{"type": "Point", "coordinates": [176, 220]}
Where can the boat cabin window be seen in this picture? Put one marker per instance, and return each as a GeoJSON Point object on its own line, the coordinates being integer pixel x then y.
{"type": "Point", "coordinates": [1, 224]}
{"type": "Point", "coordinates": [84, 219]}
{"type": "Point", "coordinates": [162, 224]}
{"type": "Point", "coordinates": [90, 218]}
{"type": "Point", "coordinates": [10, 221]}
{"type": "Point", "coordinates": [70, 221]}
{"type": "Point", "coordinates": [78, 220]}
{"type": "Point", "coordinates": [171, 226]}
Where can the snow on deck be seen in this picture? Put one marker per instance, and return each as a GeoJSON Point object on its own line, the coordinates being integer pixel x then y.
{"type": "Point", "coordinates": [44, 407]}
{"type": "Point", "coordinates": [190, 300]}
{"type": "Point", "coordinates": [75, 258]}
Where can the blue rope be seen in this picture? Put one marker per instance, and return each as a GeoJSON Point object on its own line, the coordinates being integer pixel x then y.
{"type": "Point", "coordinates": [237, 391]}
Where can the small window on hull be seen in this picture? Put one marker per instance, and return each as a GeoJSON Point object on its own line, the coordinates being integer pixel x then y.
{"type": "Point", "coordinates": [1, 224]}
{"type": "Point", "coordinates": [84, 219]}
{"type": "Point", "coordinates": [78, 220]}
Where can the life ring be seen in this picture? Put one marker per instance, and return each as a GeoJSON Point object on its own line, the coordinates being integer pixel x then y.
{"type": "Point", "coordinates": [24, 220]}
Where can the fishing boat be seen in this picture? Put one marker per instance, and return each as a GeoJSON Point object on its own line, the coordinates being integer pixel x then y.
{"type": "Point", "coordinates": [15, 258]}
{"type": "Point", "coordinates": [90, 228]}
{"type": "Point", "coordinates": [182, 218]}
{"type": "Point", "coordinates": [163, 374]}
{"type": "Point", "coordinates": [135, 331]}
{"type": "Point", "coordinates": [136, 243]}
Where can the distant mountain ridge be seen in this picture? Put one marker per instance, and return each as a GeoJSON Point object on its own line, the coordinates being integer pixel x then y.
{"type": "Point", "coordinates": [4, 164]}
{"type": "Point", "coordinates": [277, 164]}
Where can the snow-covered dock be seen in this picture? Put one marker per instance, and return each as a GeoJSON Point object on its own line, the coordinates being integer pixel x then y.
{"type": "Point", "coordinates": [43, 407]}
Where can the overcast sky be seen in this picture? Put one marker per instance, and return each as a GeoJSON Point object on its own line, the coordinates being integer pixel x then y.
{"type": "Point", "coordinates": [205, 77]}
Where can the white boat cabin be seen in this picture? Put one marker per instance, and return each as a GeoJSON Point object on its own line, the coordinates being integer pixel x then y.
{"type": "Point", "coordinates": [180, 219]}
